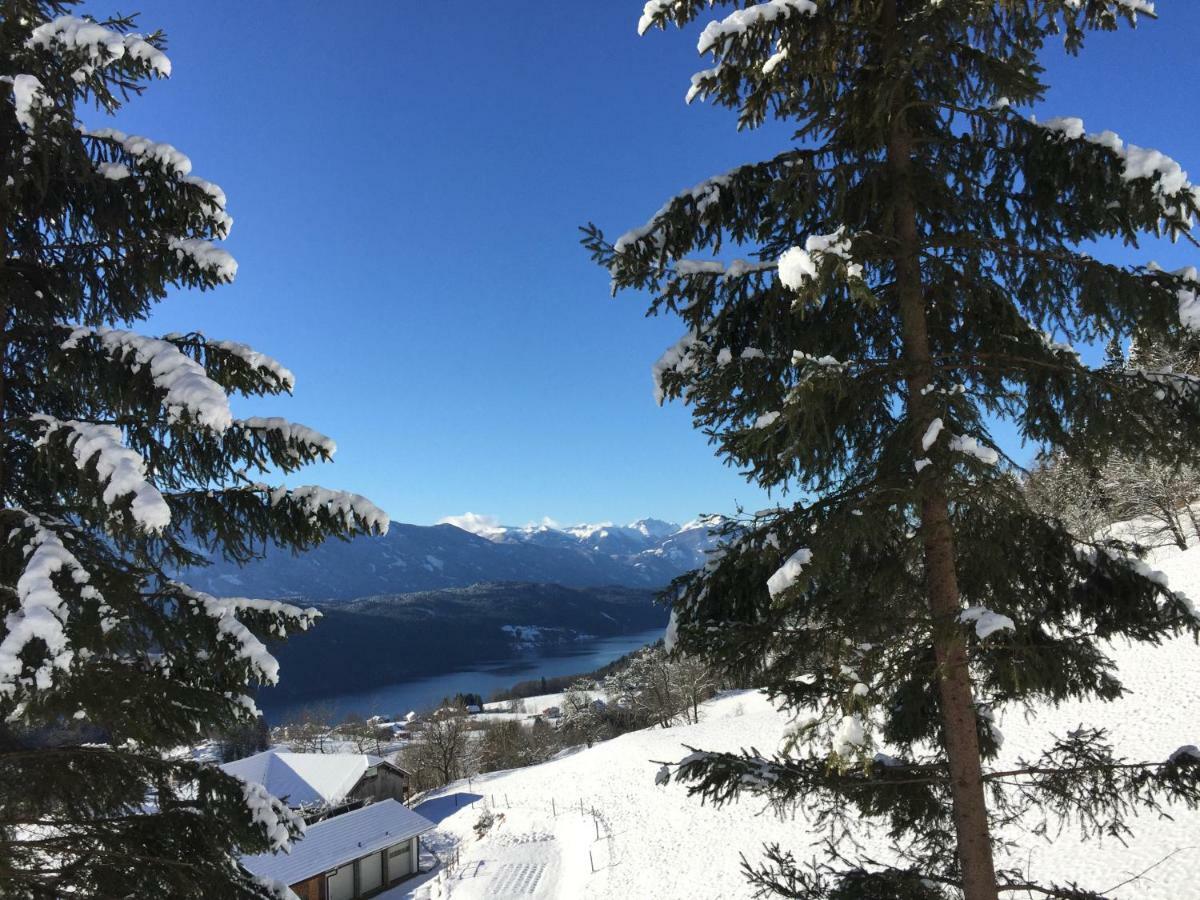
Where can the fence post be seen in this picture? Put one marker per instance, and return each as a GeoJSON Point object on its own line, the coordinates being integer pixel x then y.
{"type": "Point", "coordinates": [553, 808]}
{"type": "Point", "coordinates": [591, 861]}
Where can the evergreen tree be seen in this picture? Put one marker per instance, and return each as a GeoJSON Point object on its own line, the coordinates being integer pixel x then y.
{"type": "Point", "coordinates": [911, 274]}
{"type": "Point", "coordinates": [121, 466]}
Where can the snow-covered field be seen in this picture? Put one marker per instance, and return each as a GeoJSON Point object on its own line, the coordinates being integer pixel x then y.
{"type": "Point", "coordinates": [648, 841]}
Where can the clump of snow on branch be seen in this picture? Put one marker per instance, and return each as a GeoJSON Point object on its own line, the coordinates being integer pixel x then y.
{"type": "Point", "coordinates": [120, 470]}
{"type": "Point", "coordinates": [206, 255]}
{"type": "Point", "coordinates": [188, 388]}
{"type": "Point", "coordinates": [986, 622]}
{"type": "Point", "coordinates": [698, 83]}
{"type": "Point", "coordinates": [789, 573]}
{"type": "Point", "coordinates": [1134, 6]}
{"type": "Point", "coordinates": [736, 269]}
{"type": "Point", "coordinates": [702, 195]}
{"type": "Point", "coordinates": [1189, 298]}
{"type": "Point", "coordinates": [851, 734]}
{"type": "Point", "coordinates": [42, 611]}
{"type": "Point", "coordinates": [676, 358]}
{"type": "Point", "coordinates": [798, 265]}
{"type": "Point", "coordinates": [292, 432]}
{"type": "Point", "coordinates": [258, 360]}
{"type": "Point", "coordinates": [931, 434]}
{"type": "Point", "coordinates": [774, 60]}
{"type": "Point", "coordinates": [671, 635]}
{"type": "Point", "coordinates": [26, 97]}
{"type": "Point", "coordinates": [650, 11]}
{"type": "Point", "coordinates": [113, 171]}
{"type": "Point", "coordinates": [247, 646]}
{"type": "Point", "coordinates": [971, 447]}
{"type": "Point", "coordinates": [273, 815]}
{"type": "Point", "coordinates": [351, 508]}
{"type": "Point", "coordinates": [738, 23]}
{"type": "Point", "coordinates": [1137, 162]}
{"type": "Point", "coordinates": [165, 156]}
{"type": "Point", "coordinates": [766, 420]}
{"type": "Point", "coordinates": [102, 46]}
{"type": "Point", "coordinates": [799, 357]}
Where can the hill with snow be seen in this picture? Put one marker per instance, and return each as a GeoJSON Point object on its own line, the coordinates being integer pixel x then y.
{"type": "Point", "coordinates": [645, 554]}
{"type": "Point", "coordinates": [646, 840]}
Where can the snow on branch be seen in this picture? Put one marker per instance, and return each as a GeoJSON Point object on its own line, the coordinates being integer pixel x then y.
{"type": "Point", "coordinates": [121, 471]}
{"type": "Point", "coordinates": [1188, 296]}
{"type": "Point", "coordinates": [789, 573]}
{"type": "Point", "coordinates": [986, 622]}
{"type": "Point", "coordinates": [170, 161]}
{"type": "Point", "coordinates": [972, 447]}
{"type": "Point", "coordinates": [1133, 6]}
{"type": "Point", "coordinates": [799, 265]}
{"type": "Point", "coordinates": [101, 45]}
{"type": "Point", "coordinates": [224, 611]}
{"type": "Point", "coordinates": [677, 358]}
{"type": "Point", "coordinates": [206, 255]}
{"type": "Point", "coordinates": [931, 434]}
{"type": "Point", "coordinates": [700, 83]}
{"type": "Point", "coordinates": [42, 612]}
{"type": "Point", "coordinates": [188, 388]}
{"type": "Point", "coordinates": [27, 95]}
{"type": "Point", "coordinates": [736, 269]}
{"type": "Point", "coordinates": [291, 433]}
{"type": "Point", "coordinates": [703, 195]}
{"type": "Point", "coordinates": [277, 820]}
{"type": "Point", "coordinates": [353, 510]}
{"type": "Point", "coordinates": [1170, 180]}
{"type": "Point", "coordinates": [651, 11]}
{"type": "Point", "coordinates": [1159, 578]}
{"type": "Point", "coordinates": [257, 360]}
{"type": "Point", "coordinates": [165, 156]}
{"type": "Point", "coordinates": [738, 23]}
{"type": "Point", "coordinates": [851, 734]}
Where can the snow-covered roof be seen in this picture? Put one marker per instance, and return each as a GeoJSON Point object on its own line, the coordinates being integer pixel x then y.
{"type": "Point", "coordinates": [302, 779]}
{"type": "Point", "coordinates": [339, 840]}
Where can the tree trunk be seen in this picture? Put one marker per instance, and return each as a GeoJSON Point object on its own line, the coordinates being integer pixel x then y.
{"type": "Point", "coordinates": [959, 726]}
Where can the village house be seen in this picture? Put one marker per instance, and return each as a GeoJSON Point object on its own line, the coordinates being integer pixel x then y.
{"type": "Point", "coordinates": [355, 854]}
{"type": "Point", "coordinates": [320, 785]}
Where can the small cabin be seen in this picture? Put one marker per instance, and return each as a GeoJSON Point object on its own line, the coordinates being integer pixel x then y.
{"type": "Point", "coordinates": [357, 854]}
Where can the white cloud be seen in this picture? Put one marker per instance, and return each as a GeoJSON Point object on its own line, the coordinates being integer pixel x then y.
{"type": "Point", "coordinates": [476, 523]}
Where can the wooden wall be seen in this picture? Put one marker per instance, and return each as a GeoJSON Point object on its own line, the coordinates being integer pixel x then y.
{"type": "Point", "coordinates": [312, 889]}
{"type": "Point", "coordinates": [387, 783]}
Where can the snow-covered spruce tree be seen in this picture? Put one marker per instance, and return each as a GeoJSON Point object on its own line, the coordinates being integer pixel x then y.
{"type": "Point", "coordinates": [122, 464]}
{"type": "Point", "coordinates": [911, 274]}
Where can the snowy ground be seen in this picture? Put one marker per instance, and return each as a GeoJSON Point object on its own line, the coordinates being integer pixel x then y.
{"type": "Point", "coordinates": [647, 841]}
{"type": "Point", "coordinates": [533, 705]}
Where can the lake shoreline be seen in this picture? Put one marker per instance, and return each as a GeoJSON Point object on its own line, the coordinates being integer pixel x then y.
{"type": "Point", "coordinates": [484, 678]}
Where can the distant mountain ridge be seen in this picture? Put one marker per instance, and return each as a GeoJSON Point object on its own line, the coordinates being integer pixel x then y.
{"type": "Point", "coordinates": [645, 554]}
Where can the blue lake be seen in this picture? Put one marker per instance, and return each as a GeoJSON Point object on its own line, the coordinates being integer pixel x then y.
{"type": "Point", "coordinates": [426, 693]}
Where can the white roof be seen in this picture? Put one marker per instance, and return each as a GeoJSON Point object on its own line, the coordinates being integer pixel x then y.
{"type": "Point", "coordinates": [302, 779]}
{"type": "Point", "coordinates": [335, 842]}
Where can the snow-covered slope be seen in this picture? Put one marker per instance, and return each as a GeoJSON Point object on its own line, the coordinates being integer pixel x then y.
{"type": "Point", "coordinates": [655, 842]}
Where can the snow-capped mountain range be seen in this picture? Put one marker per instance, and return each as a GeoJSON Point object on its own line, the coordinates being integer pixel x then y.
{"type": "Point", "coordinates": [647, 553]}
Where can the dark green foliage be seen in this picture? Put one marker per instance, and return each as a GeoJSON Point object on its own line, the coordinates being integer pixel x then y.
{"type": "Point", "coordinates": [907, 110]}
{"type": "Point", "coordinates": [120, 463]}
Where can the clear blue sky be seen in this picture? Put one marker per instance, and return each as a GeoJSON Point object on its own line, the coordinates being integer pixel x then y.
{"type": "Point", "coordinates": [407, 182]}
